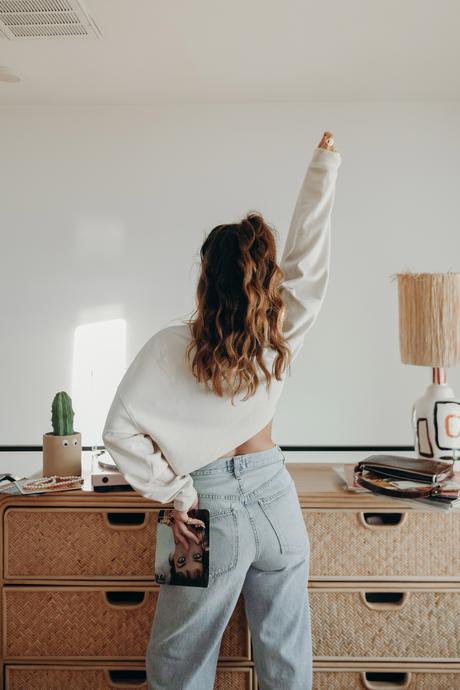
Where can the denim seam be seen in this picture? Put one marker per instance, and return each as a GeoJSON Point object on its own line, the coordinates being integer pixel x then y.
{"type": "Point", "coordinates": [268, 499]}
{"type": "Point", "coordinates": [255, 493]}
{"type": "Point", "coordinates": [220, 513]}
{"type": "Point", "coordinates": [246, 497]}
{"type": "Point", "coordinates": [265, 463]}
{"type": "Point", "coordinates": [256, 534]}
{"type": "Point", "coordinates": [274, 525]}
{"type": "Point", "coordinates": [216, 470]}
{"type": "Point", "coordinates": [229, 497]}
{"type": "Point", "coordinates": [226, 469]}
{"type": "Point", "coordinates": [236, 549]}
{"type": "Point", "coordinates": [285, 547]}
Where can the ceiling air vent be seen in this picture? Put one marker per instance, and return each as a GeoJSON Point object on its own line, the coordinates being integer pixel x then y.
{"type": "Point", "coordinates": [45, 19]}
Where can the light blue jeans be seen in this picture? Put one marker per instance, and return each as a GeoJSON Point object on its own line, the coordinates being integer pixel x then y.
{"type": "Point", "coordinates": [258, 544]}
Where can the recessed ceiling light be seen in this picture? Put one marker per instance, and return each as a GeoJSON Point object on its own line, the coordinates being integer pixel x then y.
{"type": "Point", "coordinates": [6, 75]}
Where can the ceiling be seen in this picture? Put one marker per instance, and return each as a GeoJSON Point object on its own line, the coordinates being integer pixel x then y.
{"type": "Point", "coordinates": [244, 51]}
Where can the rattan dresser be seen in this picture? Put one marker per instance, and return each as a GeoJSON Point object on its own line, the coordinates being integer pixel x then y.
{"type": "Point", "coordinates": [78, 595]}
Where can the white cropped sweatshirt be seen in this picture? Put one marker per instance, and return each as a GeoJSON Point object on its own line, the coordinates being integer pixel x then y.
{"type": "Point", "coordinates": [162, 423]}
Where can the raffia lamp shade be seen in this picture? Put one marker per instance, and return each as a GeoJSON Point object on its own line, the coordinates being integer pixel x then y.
{"type": "Point", "coordinates": [429, 335]}
{"type": "Point", "coordinates": [429, 319]}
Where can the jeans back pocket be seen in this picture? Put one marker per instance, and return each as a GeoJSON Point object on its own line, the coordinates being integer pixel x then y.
{"type": "Point", "coordinates": [283, 511]}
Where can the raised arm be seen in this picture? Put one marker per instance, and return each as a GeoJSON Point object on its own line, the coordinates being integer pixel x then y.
{"type": "Point", "coordinates": [142, 465]}
{"type": "Point", "coordinates": [306, 257]}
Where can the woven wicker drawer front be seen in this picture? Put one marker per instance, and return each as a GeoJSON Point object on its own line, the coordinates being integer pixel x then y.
{"type": "Point", "coordinates": [103, 678]}
{"type": "Point", "coordinates": [85, 623]}
{"type": "Point", "coordinates": [408, 544]}
{"type": "Point", "coordinates": [386, 680]}
{"type": "Point", "coordinates": [77, 543]}
{"type": "Point", "coordinates": [409, 625]}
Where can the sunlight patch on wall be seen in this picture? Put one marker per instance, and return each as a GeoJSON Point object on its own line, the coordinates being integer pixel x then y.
{"type": "Point", "coordinates": [99, 363]}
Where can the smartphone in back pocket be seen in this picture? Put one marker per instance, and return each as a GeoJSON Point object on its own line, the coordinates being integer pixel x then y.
{"type": "Point", "coordinates": [176, 565]}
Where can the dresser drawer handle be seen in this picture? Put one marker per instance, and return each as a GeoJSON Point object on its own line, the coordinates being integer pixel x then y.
{"type": "Point", "coordinates": [124, 677]}
{"type": "Point", "coordinates": [385, 520]}
{"type": "Point", "coordinates": [121, 520]}
{"type": "Point", "coordinates": [124, 599]}
{"type": "Point", "coordinates": [385, 680]}
{"type": "Point", "coordinates": [384, 600]}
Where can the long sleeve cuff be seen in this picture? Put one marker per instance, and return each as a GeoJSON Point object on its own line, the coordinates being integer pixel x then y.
{"type": "Point", "coordinates": [186, 498]}
{"type": "Point", "coordinates": [331, 159]}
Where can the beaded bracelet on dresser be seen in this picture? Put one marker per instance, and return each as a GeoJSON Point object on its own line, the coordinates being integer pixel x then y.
{"type": "Point", "coordinates": [52, 483]}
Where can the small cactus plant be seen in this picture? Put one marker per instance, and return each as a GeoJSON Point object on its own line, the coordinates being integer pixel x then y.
{"type": "Point", "coordinates": [62, 414]}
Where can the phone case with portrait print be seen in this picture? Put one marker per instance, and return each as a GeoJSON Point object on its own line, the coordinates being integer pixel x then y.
{"type": "Point", "coordinates": [175, 565]}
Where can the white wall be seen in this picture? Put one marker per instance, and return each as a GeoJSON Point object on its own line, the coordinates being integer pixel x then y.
{"type": "Point", "coordinates": [104, 209]}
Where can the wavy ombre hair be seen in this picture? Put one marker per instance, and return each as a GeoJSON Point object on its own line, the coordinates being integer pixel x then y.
{"type": "Point", "coordinates": [239, 309]}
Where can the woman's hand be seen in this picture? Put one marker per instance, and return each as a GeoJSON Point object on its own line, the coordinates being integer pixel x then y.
{"type": "Point", "coordinates": [181, 521]}
{"type": "Point", "coordinates": [327, 142]}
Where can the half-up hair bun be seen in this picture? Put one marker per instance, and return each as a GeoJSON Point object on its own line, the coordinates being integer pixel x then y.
{"type": "Point", "coordinates": [256, 221]}
{"type": "Point", "coordinates": [246, 233]}
{"type": "Point", "coordinates": [260, 245]}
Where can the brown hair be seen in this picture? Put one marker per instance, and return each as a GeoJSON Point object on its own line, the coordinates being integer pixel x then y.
{"type": "Point", "coordinates": [239, 308]}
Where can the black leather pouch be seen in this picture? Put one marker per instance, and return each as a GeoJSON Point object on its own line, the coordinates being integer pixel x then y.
{"type": "Point", "coordinates": [375, 469]}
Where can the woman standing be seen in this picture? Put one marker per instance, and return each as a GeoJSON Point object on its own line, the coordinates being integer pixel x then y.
{"type": "Point", "coordinates": [191, 424]}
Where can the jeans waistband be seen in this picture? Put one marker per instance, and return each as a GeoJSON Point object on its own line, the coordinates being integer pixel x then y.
{"type": "Point", "coordinates": [247, 461]}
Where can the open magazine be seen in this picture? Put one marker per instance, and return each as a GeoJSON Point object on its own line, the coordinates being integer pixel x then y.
{"type": "Point", "coordinates": [176, 565]}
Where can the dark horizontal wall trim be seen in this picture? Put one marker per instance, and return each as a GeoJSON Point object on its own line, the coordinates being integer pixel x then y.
{"type": "Point", "coordinates": [30, 449]}
{"type": "Point", "coordinates": [34, 449]}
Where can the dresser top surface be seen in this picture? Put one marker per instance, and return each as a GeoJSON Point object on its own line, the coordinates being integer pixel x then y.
{"type": "Point", "coordinates": [318, 486]}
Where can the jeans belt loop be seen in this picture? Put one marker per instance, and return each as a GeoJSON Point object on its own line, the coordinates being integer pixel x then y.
{"type": "Point", "coordinates": [236, 467]}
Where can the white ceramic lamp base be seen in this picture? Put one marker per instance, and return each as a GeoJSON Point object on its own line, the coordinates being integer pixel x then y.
{"type": "Point", "coordinates": [436, 423]}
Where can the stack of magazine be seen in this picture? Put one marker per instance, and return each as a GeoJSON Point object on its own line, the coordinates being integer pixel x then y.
{"type": "Point", "coordinates": [446, 498]}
